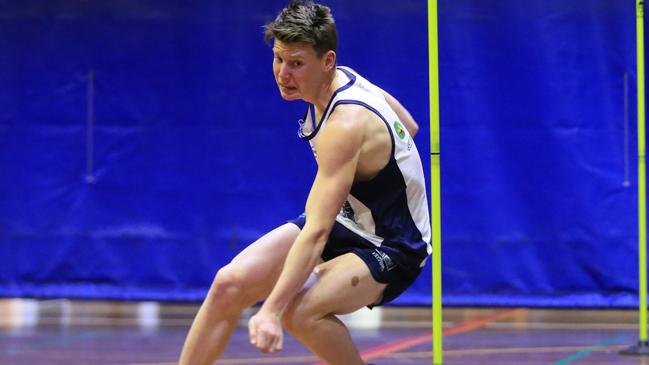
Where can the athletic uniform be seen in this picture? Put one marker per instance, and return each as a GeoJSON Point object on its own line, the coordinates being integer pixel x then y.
{"type": "Point", "coordinates": [385, 220]}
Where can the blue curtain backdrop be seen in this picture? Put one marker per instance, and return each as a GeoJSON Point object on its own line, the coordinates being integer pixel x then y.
{"type": "Point", "coordinates": [539, 164]}
{"type": "Point", "coordinates": [194, 154]}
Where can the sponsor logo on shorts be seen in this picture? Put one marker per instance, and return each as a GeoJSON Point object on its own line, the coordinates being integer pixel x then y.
{"type": "Point", "coordinates": [385, 262]}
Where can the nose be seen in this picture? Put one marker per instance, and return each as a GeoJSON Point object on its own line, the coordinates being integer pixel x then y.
{"type": "Point", "coordinates": [283, 73]}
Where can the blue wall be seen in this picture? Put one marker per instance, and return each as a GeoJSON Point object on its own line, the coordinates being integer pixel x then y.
{"type": "Point", "coordinates": [539, 184]}
{"type": "Point", "coordinates": [195, 155]}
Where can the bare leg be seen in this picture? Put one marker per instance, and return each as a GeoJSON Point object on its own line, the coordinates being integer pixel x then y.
{"type": "Point", "coordinates": [344, 285]}
{"type": "Point", "coordinates": [248, 279]}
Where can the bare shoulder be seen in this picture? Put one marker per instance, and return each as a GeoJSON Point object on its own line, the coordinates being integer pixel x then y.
{"type": "Point", "coordinates": [352, 116]}
{"type": "Point", "coordinates": [356, 130]}
{"type": "Point", "coordinates": [344, 134]}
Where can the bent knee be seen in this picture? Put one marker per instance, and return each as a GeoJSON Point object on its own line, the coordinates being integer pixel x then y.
{"type": "Point", "coordinates": [298, 319]}
{"type": "Point", "coordinates": [229, 286]}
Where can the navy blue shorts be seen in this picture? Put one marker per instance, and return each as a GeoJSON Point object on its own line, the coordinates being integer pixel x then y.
{"type": "Point", "coordinates": [383, 267]}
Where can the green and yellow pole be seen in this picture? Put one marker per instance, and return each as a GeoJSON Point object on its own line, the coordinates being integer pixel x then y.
{"type": "Point", "coordinates": [642, 348]}
{"type": "Point", "coordinates": [433, 79]}
{"type": "Point", "coordinates": [642, 209]}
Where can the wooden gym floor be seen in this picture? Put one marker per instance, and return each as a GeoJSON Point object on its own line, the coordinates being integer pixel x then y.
{"type": "Point", "coordinates": [109, 333]}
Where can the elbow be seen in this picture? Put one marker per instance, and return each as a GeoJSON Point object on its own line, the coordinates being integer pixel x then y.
{"type": "Point", "coordinates": [414, 129]}
{"type": "Point", "coordinates": [320, 237]}
{"type": "Point", "coordinates": [318, 234]}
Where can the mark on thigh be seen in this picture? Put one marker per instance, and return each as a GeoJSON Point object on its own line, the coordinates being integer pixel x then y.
{"type": "Point", "coordinates": [355, 280]}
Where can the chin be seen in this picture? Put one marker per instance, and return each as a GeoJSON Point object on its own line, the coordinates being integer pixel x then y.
{"type": "Point", "coordinates": [289, 97]}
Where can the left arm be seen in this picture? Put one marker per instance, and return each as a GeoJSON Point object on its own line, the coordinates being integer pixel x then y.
{"type": "Point", "coordinates": [404, 115]}
{"type": "Point", "coordinates": [338, 152]}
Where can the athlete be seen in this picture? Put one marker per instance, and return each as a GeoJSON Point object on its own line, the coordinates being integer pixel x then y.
{"type": "Point", "coordinates": [365, 234]}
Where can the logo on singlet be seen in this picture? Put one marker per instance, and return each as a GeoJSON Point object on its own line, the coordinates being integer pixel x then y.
{"type": "Point", "coordinates": [347, 211]}
{"type": "Point", "coordinates": [401, 132]}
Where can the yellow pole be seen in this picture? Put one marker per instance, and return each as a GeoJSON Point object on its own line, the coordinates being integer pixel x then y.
{"type": "Point", "coordinates": [642, 208]}
{"type": "Point", "coordinates": [642, 348]}
{"type": "Point", "coordinates": [433, 79]}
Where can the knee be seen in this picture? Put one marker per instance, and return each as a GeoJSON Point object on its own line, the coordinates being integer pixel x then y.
{"type": "Point", "coordinates": [228, 287]}
{"type": "Point", "coordinates": [297, 319]}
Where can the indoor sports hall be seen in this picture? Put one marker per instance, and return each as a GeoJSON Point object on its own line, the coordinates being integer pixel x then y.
{"type": "Point", "coordinates": [144, 145]}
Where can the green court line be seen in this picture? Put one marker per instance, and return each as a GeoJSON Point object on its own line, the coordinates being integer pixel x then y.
{"type": "Point", "coordinates": [588, 351]}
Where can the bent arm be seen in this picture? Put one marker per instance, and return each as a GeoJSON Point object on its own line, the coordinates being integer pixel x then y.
{"type": "Point", "coordinates": [404, 115]}
{"type": "Point", "coordinates": [338, 152]}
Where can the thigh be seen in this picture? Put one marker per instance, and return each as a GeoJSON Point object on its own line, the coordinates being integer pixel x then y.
{"type": "Point", "coordinates": [344, 285]}
{"type": "Point", "coordinates": [259, 265]}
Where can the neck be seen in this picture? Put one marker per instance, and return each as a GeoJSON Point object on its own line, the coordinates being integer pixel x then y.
{"type": "Point", "coordinates": [332, 83]}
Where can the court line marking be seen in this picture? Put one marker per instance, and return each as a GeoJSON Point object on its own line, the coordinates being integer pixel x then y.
{"type": "Point", "coordinates": [585, 352]}
{"type": "Point", "coordinates": [117, 321]}
{"type": "Point", "coordinates": [408, 342]}
{"type": "Point", "coordinates": [566, 325]}
{"type": "Point", "coordinates": [381, 350]}
{"type": "Point", "coordinates": [500, 350]}
{"type": "Point", "coordinates": [65, 340]}
{"type": "Point", "coordinates": [411, 355]}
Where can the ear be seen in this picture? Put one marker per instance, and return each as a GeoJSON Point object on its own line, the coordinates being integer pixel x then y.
{"type": "Point", "coordinates": [329, 60]}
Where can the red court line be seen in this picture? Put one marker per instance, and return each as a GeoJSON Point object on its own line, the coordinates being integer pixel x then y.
{"type": "Point", "coordinates": [480, 322]}
{"type": "Point", "coordinates": [408, 342]}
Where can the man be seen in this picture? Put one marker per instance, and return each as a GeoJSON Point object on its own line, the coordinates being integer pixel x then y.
{"type": "Point", "coordinates": [365, 234]}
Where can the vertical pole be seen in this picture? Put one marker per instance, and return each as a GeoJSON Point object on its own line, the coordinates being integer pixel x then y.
{"type": "Point", "coordinates": [642, 348]}
{"type": "Point", "coordinates": [433, 77]}
{"type": "Point", "coordinates": [642, 207]}
{"type": "Point", "coordinates": [90, 125]}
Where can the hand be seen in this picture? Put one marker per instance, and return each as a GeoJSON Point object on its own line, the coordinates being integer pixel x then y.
{"type": "Point", "coordinates": [265, 331]}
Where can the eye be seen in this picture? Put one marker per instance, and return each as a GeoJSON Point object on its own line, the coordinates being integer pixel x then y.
{"type": "Point", "coordinates": [296, 63]}
{"type": "Point", "coordinates": [278, 59]}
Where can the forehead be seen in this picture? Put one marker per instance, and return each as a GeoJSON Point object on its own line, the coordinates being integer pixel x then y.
{"type": "Point", "coordinates": [297, 49]}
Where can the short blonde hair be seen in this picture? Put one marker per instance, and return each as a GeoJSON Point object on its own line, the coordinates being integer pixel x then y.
{"type": "Point", "coordinates": [304, 22]}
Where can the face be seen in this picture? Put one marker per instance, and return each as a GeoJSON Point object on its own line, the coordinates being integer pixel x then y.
{"type": "Point", "coordinates": [298, 70]}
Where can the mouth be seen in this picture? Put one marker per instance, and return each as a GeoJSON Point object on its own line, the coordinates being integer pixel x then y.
{"type": "Point", "coordinates": [287, 88]}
